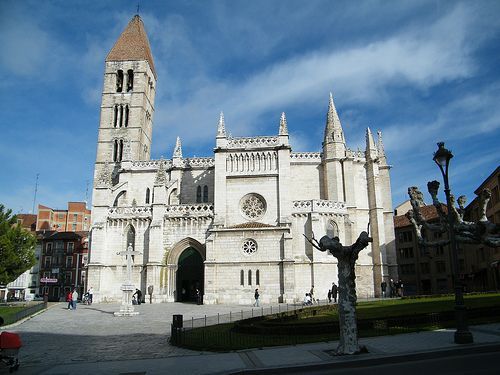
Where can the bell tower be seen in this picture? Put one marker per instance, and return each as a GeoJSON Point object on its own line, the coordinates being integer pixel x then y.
{"type": "Point", "coordinates": [128, 95]}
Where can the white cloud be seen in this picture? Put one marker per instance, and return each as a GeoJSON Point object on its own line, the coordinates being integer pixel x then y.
{"type": "Point", "coordinates": [418, 57]}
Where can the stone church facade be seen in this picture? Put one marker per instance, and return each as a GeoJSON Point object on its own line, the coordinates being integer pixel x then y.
{"type": "Point", "coordinates": [233, 222]}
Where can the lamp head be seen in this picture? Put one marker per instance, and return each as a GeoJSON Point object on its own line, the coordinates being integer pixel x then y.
{"type": "Point", "coordinates": [442, 156]}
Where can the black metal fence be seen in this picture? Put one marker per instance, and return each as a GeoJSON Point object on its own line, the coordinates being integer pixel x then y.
{"type": "Point", "coordinates": [205, 321]}
{"type": "Point", "coordinates": [258, 332]}
{"type": "Point", "coordinates": [21, 314]}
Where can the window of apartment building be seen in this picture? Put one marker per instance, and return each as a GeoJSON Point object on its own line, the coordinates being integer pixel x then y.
{"type": "Point", "coordinates": [59, 245]}
{"type": "Point", "coordinates": [73, 226]}
{"type": "Point", "coordinates": [69, 262]}
{"type": "Point", "coordinates": [46, 274]}
{"type": "Point", "coordinates": [48, 262]}
{"type": "Point", "coordinates": [48, 248]}
{"type": "Point", "coordinates": [440, 250]}
{"type": "Point", "coordinates": [406, 236]}
{"type": "Point", "coordinates": [440, 267]}
{"type": "Point", "coordinates": [425, 268]}
{"type": "Point", "coordinates": [68, 278]}
{"type": "Point", "coordinates": [60, 216]}
{"type": "Point", "coordinates": [406, 252]}
{"type": "Point", "coordinates": [75, 217]}
{"type": "Point", "coordinates": [408, 269]}
{"type": "Point", "coordinates": [70, 247]}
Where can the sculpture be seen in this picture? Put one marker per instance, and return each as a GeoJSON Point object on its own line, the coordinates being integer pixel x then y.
{"type": "Point", "coordinates": [346, 256]}
{"type": "Point", "coordinates": [480, 232]}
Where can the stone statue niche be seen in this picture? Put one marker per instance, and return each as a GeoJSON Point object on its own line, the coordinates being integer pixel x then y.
{"type": "Point", "coordinates": [346, 256]}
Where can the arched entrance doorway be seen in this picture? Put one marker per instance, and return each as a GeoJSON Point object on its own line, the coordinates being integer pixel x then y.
{"type": "Point", "coordinates": [190, 272]}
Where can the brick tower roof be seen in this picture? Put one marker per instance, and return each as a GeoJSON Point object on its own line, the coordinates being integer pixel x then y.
{"type": "Point", "coordinates": [133, 44]}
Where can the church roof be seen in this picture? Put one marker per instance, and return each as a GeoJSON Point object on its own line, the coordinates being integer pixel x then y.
{"type": "Point", "coordinates": [133, 44]}
{"type": "Point", "coordinates": [429, 213]}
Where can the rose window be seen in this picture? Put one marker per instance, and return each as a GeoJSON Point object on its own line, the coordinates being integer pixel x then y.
{"type": "Point", "coordinates": [249, 247]}
{"type": "Point", "coordinates": [253, 206]}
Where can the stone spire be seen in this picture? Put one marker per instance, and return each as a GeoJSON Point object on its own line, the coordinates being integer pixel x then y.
{"type": "Point", "coordinates": [133, 45]}
{"type": "Point", "coordinates": [380, 148]}
{"type": "Point", "coordinates": [283, 125]}
{"type": "Point", "coordinates": [221, 129]}
{"type": "Point", "coordinates": [161, 174]}
{"type": "Point", "coordinates": [333, 128]}
{"type": "Point", "coordinates": [371, 149]}
{"type": "Point", "coordinates": [178, 149]}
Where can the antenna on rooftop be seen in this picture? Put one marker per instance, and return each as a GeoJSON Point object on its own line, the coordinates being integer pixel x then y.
{"type": "Point", "coordinates": [86, 193]}
{"type": "Point", "coordinates": [36, 190]}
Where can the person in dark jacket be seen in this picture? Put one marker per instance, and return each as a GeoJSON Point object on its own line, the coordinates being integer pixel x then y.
{"type": "Point", "coordinates": [256, 296]}
{"type": "Point", "coordinates": [335, 291]}
{"type": "Point", "coordinates": [138, 293]}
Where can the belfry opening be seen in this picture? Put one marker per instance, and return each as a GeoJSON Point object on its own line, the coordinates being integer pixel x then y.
{"type": "Point", "coordinates": [190, 275]}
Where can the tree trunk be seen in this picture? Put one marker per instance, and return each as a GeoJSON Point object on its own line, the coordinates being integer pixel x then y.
{"type": "Point", "coordinates": [348, 342]}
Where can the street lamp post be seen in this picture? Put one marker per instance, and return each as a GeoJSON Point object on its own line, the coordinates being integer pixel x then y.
{"type": "Point", "coordinates": [442, 158]}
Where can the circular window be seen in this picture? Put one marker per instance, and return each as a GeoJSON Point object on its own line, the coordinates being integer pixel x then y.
{"type": "Point", "coordinates": [253, 206]}
{"type": "Point", "coordinates": [249, 247]}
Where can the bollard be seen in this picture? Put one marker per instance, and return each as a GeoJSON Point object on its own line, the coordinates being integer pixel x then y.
{"type": "Point", "coordinates": [176, 329]}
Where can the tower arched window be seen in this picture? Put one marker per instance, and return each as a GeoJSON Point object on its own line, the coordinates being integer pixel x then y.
{"type": "Point", "coordinates": [205, 193]}
{"type": "Point", "coordinates": [115, 115]}
{"type": "Point", "coordinates": [120, 150]}
{"type": "Point", "coordinates": [126, 115]}
{"type": "Point", "coordinates": [119, 81]}
{"type": "Point", "coordinates": [115, 150]}
{"type": "Point", "coordinates": [242, 278]}
{"type": "Point", "coordinates": [148, 192]}
{"type": "Point", "coordinates": [130, 82]}
{"type": "Point", "coordinates": [249, 277]}
{"type": "Point", "coordinates": [257, 277]}
{"type": "Point", "coordinates": [121, 116]}
{"type": "Point", "coordinates": [198, 194]}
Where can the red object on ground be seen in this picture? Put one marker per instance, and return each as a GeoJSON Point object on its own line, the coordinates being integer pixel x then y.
{"type": "Point", "coordinates": [9, 340]}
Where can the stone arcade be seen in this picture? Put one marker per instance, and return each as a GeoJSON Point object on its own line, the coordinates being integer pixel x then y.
{"type": "Point", "coordinates": [233, 222]}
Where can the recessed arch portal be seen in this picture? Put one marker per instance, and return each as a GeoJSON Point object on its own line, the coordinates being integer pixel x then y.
{"type": "Point", "coordinates": [187, 257]}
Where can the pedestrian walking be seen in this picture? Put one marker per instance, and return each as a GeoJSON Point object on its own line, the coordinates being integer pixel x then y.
{"type": "Point", "coordinates": [90, 293]}
{"type": "Point", "coordinates": [400, 288]}
{"type": "Point", "coordinates": [311, 293]}
{"type": "Point", "coordinates": [74, 298]}
{"type": "Point", "coordinates": [138, 293]}
{"type": "Point", "coordinates": [329, 296]}
{"type": "Point", "coordinates": [335, 291]}
{"type": "Point", "coordinates": [256, 296]}
{"type": "Point", "coordinates": [392, 288]}
{"type": "Point", "coordinates": [69, 299]}
{"type": "Point", "coordinates": [383, 286]}
{"type": "Point", "coordinates": [198, 297]}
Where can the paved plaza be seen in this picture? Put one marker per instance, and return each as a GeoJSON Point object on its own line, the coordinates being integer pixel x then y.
{"type": "Point", "coordinates": [91, 339]}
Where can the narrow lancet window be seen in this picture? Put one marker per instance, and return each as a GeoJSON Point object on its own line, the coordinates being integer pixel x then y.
{"type": "Point", "coordinates": [198, 194]}
{"type": "Point", "coordinates": [119, 81]}
{"type": "Point", "coordinates": [147, 195]}
{"type": "Point", "coordinates": [242, 278]}
{"type": "Point", "coordinates": [205, 194]}
{"type": "Point", "coordinates": [257, 277]}
{"type": "Point", "coordinates": [120, 151]}
{"type": "Point", "coordinates": [115, 115]}
{"type": "Point", "coordinates": [115, 150]}
{"type": "Point", "coordinates": [130, 83]}
{"type": "Point", "coordinates": [121, 116]}
{"type": "Point", "coordinates": [249, 277]}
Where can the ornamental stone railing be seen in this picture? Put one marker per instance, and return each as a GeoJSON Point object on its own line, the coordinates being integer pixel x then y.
{"type": "Point", "coordinates": [151, 164]}
{"type": "Point", "coordinates": [130, 212]}
{"type": "Point", "coordinates": [252, 142]}
{"type": "Point", "coordinates": [199, 162]}
{"type": "Point", "coordinates": [190, 210]}
{"type": "Point", "coordinates": [318, 205]}
{"type": "Point", "coordinates": [357, 154]}
{"type": "Point", "coordinates": [305, 156]}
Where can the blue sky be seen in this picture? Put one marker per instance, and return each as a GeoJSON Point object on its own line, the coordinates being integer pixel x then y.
{"type": "Point", "coordinates": [419, 71]}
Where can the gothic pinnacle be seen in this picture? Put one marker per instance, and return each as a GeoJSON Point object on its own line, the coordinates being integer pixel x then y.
{"type": "Point", "coordinates": [370, 144]}
{"type": "Point", "coordinates": [178, 149]}
{"type": "Point", "coordinates": [380, 148]}
{"type": "Point", "coordinates": [283, 125]}
{"type": "Point", "coordinates": [333, 129]}
{"type": "Point", "coordinates": [221, 129]}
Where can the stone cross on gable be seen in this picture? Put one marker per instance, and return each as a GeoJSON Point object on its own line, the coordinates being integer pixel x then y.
{"type": "Point", "coordinates": [129, 253]}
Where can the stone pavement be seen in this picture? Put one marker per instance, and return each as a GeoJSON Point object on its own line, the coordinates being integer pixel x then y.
{"type": "Point", "coordinates": [91, 340]}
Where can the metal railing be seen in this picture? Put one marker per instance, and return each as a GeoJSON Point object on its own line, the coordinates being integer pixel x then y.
{"type": "Point", "coordinates": [28, 311]}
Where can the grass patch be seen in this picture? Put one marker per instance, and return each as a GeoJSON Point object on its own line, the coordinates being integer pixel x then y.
{"type": "Point", "coordinates": [8, 313]}
{"type": "Point", "coordinates": [225, 337]}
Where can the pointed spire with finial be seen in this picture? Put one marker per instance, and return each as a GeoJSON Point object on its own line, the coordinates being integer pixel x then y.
{"type": "Point", "coordinates": [371, 149]}
{"type": "Point", "coordinates": [178, 148]}
{"type": "Point", "coordinates": [333, 129]}
{"type": "Point", "coordinates": [221, 128]}
{"type": "Point", "coordinates": [283, 125]}
{"type": "Point", "coordinates": [380, 148]}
